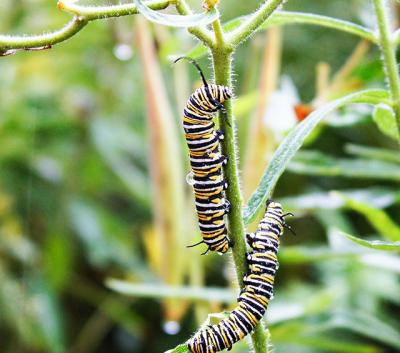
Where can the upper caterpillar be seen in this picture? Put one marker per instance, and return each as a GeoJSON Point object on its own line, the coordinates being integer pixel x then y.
{"type": "Point", "coordinates": [206, 160]}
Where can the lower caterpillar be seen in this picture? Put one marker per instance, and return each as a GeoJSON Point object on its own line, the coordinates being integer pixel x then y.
{"type": "Point", "coordinates": [258, 287]}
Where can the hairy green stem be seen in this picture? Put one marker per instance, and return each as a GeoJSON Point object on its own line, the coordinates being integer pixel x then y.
{"type": "Point", "coordinates": [388, 55]}
{"type": "Point", "coordinates": [222, 60]}
{"type": "Point", "coordinates": [200, 33]}
{"type": "Point", "coordinates": [253, 22]}
{"type": "Point", "coordinates": [10, 43]}
{"type": "Point", "coordinates": [91, 13]}
{"type": "Point", "coordinates": [222, 68]}
{"type": "Point", "coordinates": [219, 34]}
{"type": "Point", "coordinates": [83, 15]}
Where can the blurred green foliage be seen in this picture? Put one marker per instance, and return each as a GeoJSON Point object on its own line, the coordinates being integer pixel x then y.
{"type": "Point", "coordinates": [76, 203]}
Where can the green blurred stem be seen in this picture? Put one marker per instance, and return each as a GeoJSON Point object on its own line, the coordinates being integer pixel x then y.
{"type": "Point", "coordinates": [222, 58]}
{"type": "Point", "coordinates": [253, 22]}
{"type": "Point", "coordinates": [396, 38]}
{"type": "Point", "coordinates": [83, 15]}
{"type": "Point", "coordinates": [281, 18]}
{"type": "Point", "coordinates": [389, 55]}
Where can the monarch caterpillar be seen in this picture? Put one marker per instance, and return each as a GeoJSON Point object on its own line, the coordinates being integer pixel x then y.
{"type": "Point", "coordinates": [206, 161]}
{"type": "Point", "coordinates": [258, 287]}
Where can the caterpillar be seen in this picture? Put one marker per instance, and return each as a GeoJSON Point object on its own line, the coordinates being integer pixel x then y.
{"type": "Point", "coordinates": [258, 287]}
{"type": "Point", "coordinates": [206, 161]}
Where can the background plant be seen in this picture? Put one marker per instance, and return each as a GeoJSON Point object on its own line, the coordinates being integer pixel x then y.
{"type": "Point", "coordinates": [76, 195]}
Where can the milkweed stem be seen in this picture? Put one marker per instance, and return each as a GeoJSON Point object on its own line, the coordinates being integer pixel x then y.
{"type": "Point", "coordinates": [222, 60]}
{"type": "Point", "coordinates": [388, 49]}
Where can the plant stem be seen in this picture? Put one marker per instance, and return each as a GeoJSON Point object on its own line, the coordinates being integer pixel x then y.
{"type": "Point", "coordinates": [200, 33]}
{"type": "Point", "coordinates": [83, 15]}
{"type": "Point", "coordinates": [42, 40]}
{"type": "Point", "coordinates": [388, 55]}
{"type": "Point", "coordinates": [251, 24]}
{"type": "Point", "coordinates": [91, 13]}
{"type": "Point", "coordinates": [222, 68]}
{"type": "Point", "coordinates": [219, 34]}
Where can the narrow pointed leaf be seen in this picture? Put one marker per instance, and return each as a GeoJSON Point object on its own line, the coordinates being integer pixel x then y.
{"type": "Point", "coordinates": [379, 219]}
{"type": "Point", "coordinates": [385, 119]}
{"type": "Point", "coordinates": [293, 142]}
{"type": "Point", "coordinates": [379, 197]}
{"type": "Point", "coordinates": [375, 244]}
{"type": "Point", "coordinates": [306, 255]}
{"type": "Point", "coordinates": [367, 325]}
{"type": "Point", "coordinates": [202, 19]}
{"type": "Point", "coordinates": [373, 152]}
{"type": "Point", "coordinates": [316, 163]}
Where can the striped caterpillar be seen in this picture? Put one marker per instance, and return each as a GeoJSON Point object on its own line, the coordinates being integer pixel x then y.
{"type": "Point", "coordinates": [258, 287]}
{"type": "Point", "coordinates": [206, 161]}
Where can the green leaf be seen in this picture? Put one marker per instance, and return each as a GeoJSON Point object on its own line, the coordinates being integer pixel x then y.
{"type": "Point", "coordinates": [178, 292]}
{"type": "Point", "coordinates": [182, 348]}
{"type": "Point", "coordinates": [197, 52]}
{"type": "Point", "coordinates": [297, 301]}
{"type": "Point", "coordinates": [48, 315]}
{"type": "Point", "coordinates": [367, 325]}
{"type": "Point", "coordinates": [345, 119]}
{"type": "Point", "coordinates": [202, 19]}
{"type": "Point", "coordinates": [382, 261]}
{"type": "Point", "coordinates": [378, 218]}
{"type": "Point", "coordinates": [361, 323]}
{"type": "Point", "coordinates": [293, 142]}
{"type": "Point", "coordinates": [373, 152]}
{"type": "Point", "coordinates": [330, 343]}
{"type": "Point", "coordinates": [385, 119]}
{"type": "Point", "coordinates": [374, 244]}
{"type": "Point", "coordinates": [57, 260]}
{"type": "Point", "coordinates": [295, 255]}
{"type": "Point", "coordinates": [320, 164]}
{"type": "Point", "coordinates": [379, 197]}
